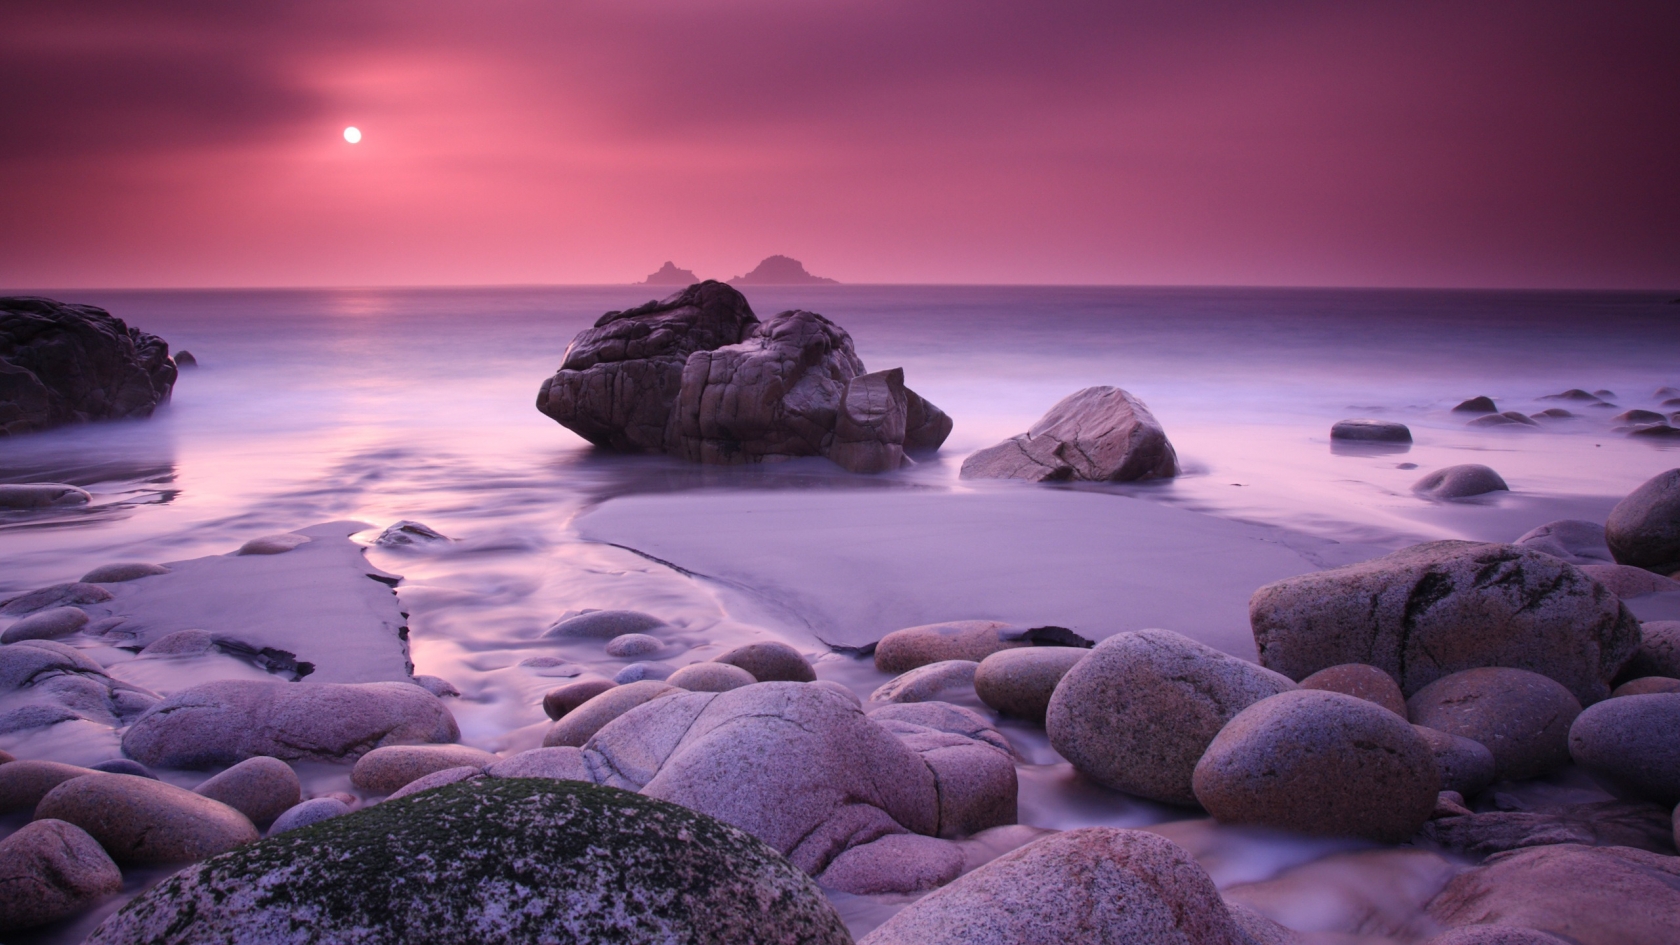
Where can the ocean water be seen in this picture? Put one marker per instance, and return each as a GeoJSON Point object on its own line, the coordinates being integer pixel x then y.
{"type": "Point", "coordinates": [387, 404]}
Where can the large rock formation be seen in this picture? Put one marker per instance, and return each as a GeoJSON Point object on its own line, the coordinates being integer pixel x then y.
{"type": "Point", "coordinates": [781, 270]}
{"type": "Point", "coordinates": [669, 274]}
{"type": "Point", "coordinates": [62, 364]}
{"type": "Point", "coordinates": [700, 377]}
{"type": "Point", "coordinates": [1099, 434]}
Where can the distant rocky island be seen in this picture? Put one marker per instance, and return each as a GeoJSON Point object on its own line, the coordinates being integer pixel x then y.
{"type": "Point", "coordinates": [669, 274]}
{"type": "Point", "coordinates": [781, 270]}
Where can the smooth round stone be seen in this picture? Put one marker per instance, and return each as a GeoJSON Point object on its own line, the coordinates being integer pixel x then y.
{"type": "Point", "coordinates": [580, 724]}
{"type": "Point", "coordinates": [1019, 682]}
{"type": "Point", "coordinates": [34, 716]}
{"type": "Point", "coordinates": [181, 643]}
{"type": "Point", "coordinates": [1659, 651]}
{"type": "Point", "coordinates": [145, 822]}
{"type": "Point", "coordinates": [384, 770]}
{"type": "Point", "coordinates": [1523, 718]}
{"type": "Point", "coordinates": [903, 650]}
{"type": "Point", "coordinates": [1573, 540]}
{"type": "Point", "coordinates": [1382, 431]}
{"type": "Point", "coordinates": [926, 683]}
{"type": "Point", "coordinates": [1091, 886]}
{"type": "Point", "coordinates": [309, 812]}
{"type": "Point", "coordinates": [1495, 935]}
{"type": "Point", "coordinates": [1362, 682]}
{"type": "Point", "coordinates": [41, 495]}
{"type": "Point", "coordinates": [261, 788]}
{"type": "Point", "coordinates": [770, 661]}
{"type": "Point", "coordinates": [438, 779]}
{"type": "Point", "coordinates": [1646, 685]}
{"type": "Point", "coordinates": [272, 544]}
{"type": "Point", "coordinates": [1644, 529]}
{"type": "Point", "coordinates": [605, 624]}
{"type": "Point", "coordinates": [24, 783]}
{"type": "Point", "coordinates": [562, 764]}
{"type": "Point", "coordinates": [1466, 765]}
{"type": "Point", "coordinates": [49, 870]}
{"type": "Point", "coordinates": [437, 686]}
{"type": "Point", "coordinates": [1320, 762]}
{"type": "Point", "coordinates": [56, 595]}
{"type": "Point", "coordinates": [505, 861]}
{"type": "Point", "coordinates": [632, 645]}
{"type": "Point", "coordinates": [46, 625]}
{"type": "Point", "coordinates": [896, 863]}
{"type": "Point", "coordinates": [643, 672]}
{"type": "Point", "coordinates": [185, 359]}
{"type": "Point", "coordinates": [559, 701]}
{"type": "Point", "coordinates": [1482, 404]}
{"type": "Point", "coordinates": [1617, 895]}
{"type": "Point", "coordinates": [710, 677]}
{"type": "Point", "coordinates": [121, 571]}
{"type": "Point", "coordinates": [1625, 580]}
{"type": "Point", "coordinates": [124, 766]}
{"type": "Point", "coordinates": [1638, 416]}
{"type": "Point", "coordinates": [1459, 482]}
{"type": "Point", "coordinates": [841, 690]}
{"type": "Point", "coordinates": [1633, 742]}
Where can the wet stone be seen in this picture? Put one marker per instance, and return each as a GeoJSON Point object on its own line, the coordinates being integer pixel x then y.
{"type": "Point", "coordinates": [557, 702]}
{"type": "Point", "coordinates": [1522, 718]}
{"type": "Point", "coordinates": [50, 869]}
{"type": "Point", "coordinates": [710, 677]}
{"type": "Point", "coordinates": [146, 822]}
{"type": "Point", "coordinates": [260, 788]}
{"type": "Point", "coordinates": [903, 650]}
{"type": "Point", "coordinates": [122, 571]}
{"type": "Point", "coordinates": [46, 625]}
{"type": "Point", "coordinates": [384, 770]}
{"type": "Point", "coordinates": [770, 661]}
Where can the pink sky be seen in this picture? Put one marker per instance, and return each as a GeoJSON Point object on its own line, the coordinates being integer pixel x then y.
{"type": "Point", "coordinates": [198, 142]}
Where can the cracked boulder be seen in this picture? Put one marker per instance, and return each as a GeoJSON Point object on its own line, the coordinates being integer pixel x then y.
{"type": "Point", "coordinates": [1435, 609]}
{"type": "Point", "coordinates": [62, 364]}
{"type": "Point", "coordinates": [700, 377]}
{"type": "Point", "coordinates": [43, 682]}
{"type": "Point", "coordinates": [1099, 434]}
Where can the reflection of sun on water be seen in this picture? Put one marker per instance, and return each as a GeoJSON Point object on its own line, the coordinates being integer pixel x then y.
{"type": "Point", "coordinates": [352, 134]}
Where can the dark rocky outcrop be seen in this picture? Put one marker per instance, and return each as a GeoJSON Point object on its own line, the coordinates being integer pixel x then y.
{"type": "Point", "coordinates": [1483, 404]}
{"type": "Point", "coordinates": [669, 274]}
{"type": "Point", "coordinates": [700, 377]}
{"type": "Point", "coordinates": [780, 270]}
{"type": "Point", "coordinates": [1099, 434]}
{"type": "Point", "coordinates": [492, 861]}
{"type": "Point", "coordinates": [1644, 528]}
{"type": "Point", "coordinates": [1379, 431]}
{"type": "Point", "coordinates": [1638, 824]}
{"type": "Point", "coordinates": [63, 364]}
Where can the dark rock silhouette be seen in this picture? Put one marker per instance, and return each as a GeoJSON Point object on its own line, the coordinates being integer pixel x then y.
{"type": "Point", "coordinates": [669, 274]}
{"type": "Point", "coordinates": [63, 364]}
{"type": "Point", "coordinates": [699, 376]}
{"type": "Point", "coordinates": [781, 270]}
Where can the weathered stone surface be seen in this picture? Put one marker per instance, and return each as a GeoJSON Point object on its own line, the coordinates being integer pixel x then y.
{"type": "Point", "coordinates": [144, 822]}
{"type": "Point", "coordinates": [925, 683]}
{"type": "Point", "coordinates": [62, 364]}
{"type": "Point", "coordinates": [1381, 431]}
{"type": "Point", "coordinates": [1138, 711]}
{"type": "Point", "coordinates": [1095, 885]}
{"type": "Point", "coordinates": [312, 811]}
{"type": "Point", "coordinates": [795, 765]}
{"type": "Point", "coordinates": [1433, 609]}
{"type": "Point", "coordinates": [1458, 482]}
{"type": "Point", "coordinates": [1542, 888]}
{"type": "Point", "coordinates": [56, 682]}
{"type": "Point", "coordinates": [24, 783]}
{"type": "Point", "coordinates": [564, 763]}
{"type": "Point", "coordinates": [1644, 529]}
{"type": "Point", "coordinates": [506, 861]}
{"type": "Point", "coordinates": [1633, 742]}
{"type": "Point", "coordinates": [559, 701]}
{"type": "Point", "coordinates": [438, 779]}
{"type": "Point", "coordinates": [261, 788]}
{"type": "Point", "coordinates": [710, 677]}
{"type": "Point", "coordinates": [1465, 764]}
{"type": "Point", "coordinates": [903, 650]}
{"type": "Point", "coordinates": [1659, 651]}
{"type": "Point", "coordinates": [700, 377]}
{"type": "Point", "coordinates": [973, 766]}
{"type": "Point", "coordinates": [1019, 681]}
{"type": "Point", "coordinates": [896, 863]}
{"type": "Point", "coordinates": [46, 625]}
{"type": "Point", "coordinates": [605, 624]}
{"type": "Point", "coordinates": [1646, 685]}
{"type": "Point", "coordinates": [1573, 540]}
{"type": "Point", "coordinates": [1522, 718]}
{"type": "Point", "coordinates": [579, 725]}
{"type": "Point", "coordinates": [181, 643]}
{"type": "Point", "coordinates": [770, 661]}
{"type": "Point", "coordinates": [1494, 935]}
{"type": "Point", "coordinates": [1510, 418]}
{"type": "Point", "coordinates": [383, 770]}
{"type": "Point", "coordinates": [223, 723]}
{"type": "Point", "coordinates": [1362, 681]}
{"type": "Point", "coordinates": [1638, 824]}
{"type": "Point", "coordinates": [48, 870]}
{"type": "Point", "coordinates": [1320, 762]}
{"type": "Point", "coordinates": [632, 645]}
{"type": "Point", "coordinates": [1625, 580]}
{"type": "Point", "coordinates": [40, 495]}
{"type": "Point", "coordinates": [1099, 434]}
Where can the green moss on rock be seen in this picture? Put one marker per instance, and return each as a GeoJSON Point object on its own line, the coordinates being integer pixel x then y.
{"type": "Point", "coordinates": [492, 861]}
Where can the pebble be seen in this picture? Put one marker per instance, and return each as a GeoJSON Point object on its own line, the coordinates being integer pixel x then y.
{"type": "Point", "coordinates": [1361, 681]}
{"type": "Point", "coordinates": [926, 683]}
{"type": "Point", "coordinates": [24, 783]}
{"type": "Point", "coordinates": [605, 624]}
{"type": "Point", "coordinates": [261, 788]}
{"type": "Point", "coordinates": [41, 495]}
{"type": "Point", "coordinates": [1465, 764]}
{"type": "Point", "coordinates": [631, 645]}
{"type": "Point", "coordinates": [1459, 482]}
{"type": "Point", "coordinates": [144, 822]}
{"type": "Point", "coordinates": [406, 534]}
{"type": "Point", "coordinates": [710, 677]}
{"type": "Point", "coordinates": [49, 870]}
{"type": "Point", "coordinates": [122, 571]}
{"type": "Point", "coordinates": [1319, 762]}
{"type": "Point", "coordinates": [1381, 431]}
{"type": "Point", "coordinates": [770, 661]}
{"type": "Point", "coordinates": [312, 811]}
{"type": "Point", "coordinates": [1019, 682]}
{"type": "Point", "coordinates": [1523, 718]}
{"type": "Point", "coordinates": [46, 625]}
{"type": "Point", "coordinates": [580, 724]}
{"type": "Point", "coordinates": [384, 770]}
{"type": "Point", "coordinates": [903, 650]}
{"type": "Point", "coordinates": [557, 702]}
{"type": "Point", "coordinates": [1633, 742]}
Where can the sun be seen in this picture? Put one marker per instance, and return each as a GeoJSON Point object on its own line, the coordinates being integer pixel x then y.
{"type": "Point", "coordinates": [352, 134]}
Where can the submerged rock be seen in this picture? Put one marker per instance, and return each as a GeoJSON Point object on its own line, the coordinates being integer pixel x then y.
{"type": "Point", "coordinates": [492, 861]}
{"type": "Point", "coordinates": [1099, 434]}
{"type": "Point", "coordinates": [1644, 529]}
{"type": "Point", "coordinates": [40, 495]}
{"type": "Point", "coordinates": [122, 571]}
{"type": "Point", "coordinates": [1380, 431]}
{"type": "Point", "coordinates": [146, 822]}
{"type": "Point", "coordinates": [68, 364]}
{"type": "Point", "coordinates": [1522, 718]}
{"type": "Point", "coordinates": [57, 595]}
{"type": "Point", "coordinates": [698, 376]}
{"type": "Point", "coordinates": [1459, 482]}
{"type": "Point", "coordinates": [1481, 404]}
{"type": "Point", "coordinates": [1434, 609]}
{"type": "Point", "coordinates": [925, 683]}
{"type": "Point", "coordinates": [223, 723]}
{"type": "Point", "coordinates": [50, 869]}
{"type": "Point", "coordinates": [1574, 541]}
{"type": "Point", "coordinates": [46, 625]}
{"type": "Point", "coordinates": [1510, 418]}
{"type": "Point", "coordinates": [605, 624]}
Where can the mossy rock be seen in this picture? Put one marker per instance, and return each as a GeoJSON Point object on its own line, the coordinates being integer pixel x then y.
{"type": "Point", "coordinates": [496, 860]}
